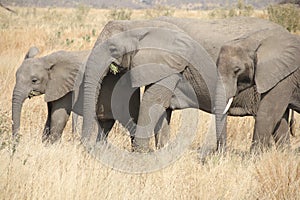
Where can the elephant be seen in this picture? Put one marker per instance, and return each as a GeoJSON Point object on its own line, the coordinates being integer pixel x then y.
{"type": "Point", "coordinates": [155, 53]}
{"type": "Point", "coordinates": [270, 61]}
{"type": "Point", "coordinates": [212, 35]}
{"type": "Point", "coordinates": [127, 55]}
{"type": "Point", "coordinates": [59, 77]}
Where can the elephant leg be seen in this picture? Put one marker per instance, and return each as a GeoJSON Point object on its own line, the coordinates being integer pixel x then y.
{"type": "Point", "coordinates": [60, 113]}
{"type": "Point", "coordinates": [46, 131]}
{"type": "Point", "coordinates": [74, 123]}
{"type": "Point", "coordinates": [281, 134]}
{"type": "Point", "coordinates": [106, 126]}
{"type": "Point", "coordinates": [270, 111]}
{"type": "Point", "coordinates": [162, 129]}
{"type": "Point", "coordinates": [222, 139]}
{"type": "Point", "coordinates": [153, 106]}
{"type": "Point", "coordinates": [134, 107]}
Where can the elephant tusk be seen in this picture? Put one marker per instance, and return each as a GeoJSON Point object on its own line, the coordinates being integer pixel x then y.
{"type": "Point", "coordinates": [228, 105]}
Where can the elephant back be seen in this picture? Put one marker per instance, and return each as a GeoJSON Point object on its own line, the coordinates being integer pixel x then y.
{"type": "Point", "coordinates": [117, 26]}
{"type": "Point", "coordinates": [212, 34]}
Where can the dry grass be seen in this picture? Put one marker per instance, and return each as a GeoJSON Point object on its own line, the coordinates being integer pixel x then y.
{"type": "Point", "coordinates": [67, 171]}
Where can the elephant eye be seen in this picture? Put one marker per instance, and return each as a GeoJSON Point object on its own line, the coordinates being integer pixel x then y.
{"type": "Point", "coordinates": [236, 70]}
{"type": "Point", "coordinates": [34, 80]}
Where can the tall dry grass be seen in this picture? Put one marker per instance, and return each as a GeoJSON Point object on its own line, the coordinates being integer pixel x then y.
{"type": "Point", "coordinates": [66, 171]}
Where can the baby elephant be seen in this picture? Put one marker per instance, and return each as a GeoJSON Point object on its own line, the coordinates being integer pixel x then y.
{"type": "Point", "coordinates": [59, 77]}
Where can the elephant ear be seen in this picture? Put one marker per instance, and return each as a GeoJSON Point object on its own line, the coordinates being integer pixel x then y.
{"type": "Point", "coordinates": [277, 57]}
{"type": "Point", "coordinates": [32, 52]}
{"type": "Point", "coordinates": [63, 68]}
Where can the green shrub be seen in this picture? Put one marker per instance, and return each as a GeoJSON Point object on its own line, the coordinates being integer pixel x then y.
{"type": "Point", "coordinates": [119, 14]}
{"type": "Point", "coordinates": [87, 38]}
{"type": "Point", "coordinates": [286, 15]}
{"type": "Point", "coordinates": [69, 41]}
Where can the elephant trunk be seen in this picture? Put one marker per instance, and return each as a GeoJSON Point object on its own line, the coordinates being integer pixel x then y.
{"type": "Point", "coordinates": [96, 69]}
{"type": "Point", "coordinates": [216, 136]}
{"type": "Point", "coordinates": [19, 97]}
{"type": "Point", "coordinates": [221, 117]}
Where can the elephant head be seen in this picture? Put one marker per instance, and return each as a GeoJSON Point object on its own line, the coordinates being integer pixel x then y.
{"type": "Point", "coordinates": [53, 75]}
{"type": "Point", "coordinates": [151, 53]}
{"type": "Point", "coordinates": [264, 63]}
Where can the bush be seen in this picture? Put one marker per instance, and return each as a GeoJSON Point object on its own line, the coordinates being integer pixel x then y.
{"type": "Point", "coordinates": [286, 15]}
{"type": "Point", "coordinates": [81, 12]}
{"type": "Point", "coordinates": [241, 9]}
{"type": "Point", "coordinates": [159, 11]}
{"type": "Point", "coordinates": [119, 14]}
{"type": "Point", "coordinates": [218, 13]}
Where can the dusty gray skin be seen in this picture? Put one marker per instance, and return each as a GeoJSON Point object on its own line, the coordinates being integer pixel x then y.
{"type": "Point", "coordinates": [270, 61]}
{"type": "Point", "coordinates": [224, 30]}
{"type": "Point", "coordinates": [156, 53]}
{"type": "Point", "coordinates": [212, 35]}
{"type": "Point", "coordinates": [59, 77]}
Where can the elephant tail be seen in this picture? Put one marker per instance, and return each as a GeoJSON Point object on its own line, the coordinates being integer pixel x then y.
{"type": "Point", "coordinates": [292, 123]}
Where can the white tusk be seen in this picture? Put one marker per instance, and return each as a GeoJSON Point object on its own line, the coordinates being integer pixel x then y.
{"type": "Point", "coordinates": [228, 105]}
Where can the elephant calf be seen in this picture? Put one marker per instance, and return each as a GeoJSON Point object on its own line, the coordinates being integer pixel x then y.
{"type": "Point", "coordinates": [59, 76]}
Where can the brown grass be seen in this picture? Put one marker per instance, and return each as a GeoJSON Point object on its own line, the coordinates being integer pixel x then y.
{"type": "Point", "coordinates": [66, 171]}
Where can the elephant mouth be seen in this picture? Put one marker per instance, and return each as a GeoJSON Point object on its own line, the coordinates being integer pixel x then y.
{"type": "Point", "coordinates": [33, 94]}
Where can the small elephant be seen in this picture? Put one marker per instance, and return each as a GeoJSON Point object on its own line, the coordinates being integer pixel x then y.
{"type": "Point", "coordinates": [270, 61]}
{"type": "Point", "coordinates": [59, 77]}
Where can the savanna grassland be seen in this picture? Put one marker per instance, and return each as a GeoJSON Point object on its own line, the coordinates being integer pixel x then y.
{"type": "Point", "coordinates": [66, 171]}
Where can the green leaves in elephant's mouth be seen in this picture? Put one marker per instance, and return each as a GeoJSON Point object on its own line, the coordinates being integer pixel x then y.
{"type": "Point", "coordinates": [114, 69]}
{"type": "Point", "coordinates": [34, 93]}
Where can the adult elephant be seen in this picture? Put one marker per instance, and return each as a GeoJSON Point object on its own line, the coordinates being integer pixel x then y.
{"type": "Point", "coordinates": [59, 77]}
{"type": "Point", "coordinates": [270, 60]}
{"type": "Point", "coordinates": [155, 52]}
{"type": "Point", "coordinates": [212, 35]}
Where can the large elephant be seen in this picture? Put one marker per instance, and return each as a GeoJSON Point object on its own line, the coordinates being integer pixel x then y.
{"type": "Point", "coordinates": [269, 60]}
{"type": "Point", "coordinates": [157, 54]}
{"type": "Point", "coordinates": [212, 35]}
{"type": "Point", "coordinates": [59, 77]}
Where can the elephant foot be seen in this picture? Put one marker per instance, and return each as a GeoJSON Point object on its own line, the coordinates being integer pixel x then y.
{"type": "Point", "coordinates": [46, 134]}
{"type": "Point", "coordinates": [206, 151]}
{"type": "Point", "coordinates": [102, 137]}
{"type": "Point", "coordinates": [259, 147]}
{"type": "Point", "coordinates": [51, 138]}
{"type": "Point", "coordinates": [141, 149]}
{"type": "Point", "coordinates": [161, 141]}
{"type": "Point", "coordinates": [284, 147]}
{"type": "Point", "coordinates": [141, 146]}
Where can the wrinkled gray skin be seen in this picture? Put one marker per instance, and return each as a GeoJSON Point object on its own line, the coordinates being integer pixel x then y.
{"type": "Point", "coordinates": [59, 77]}
{"type": "Point", "coordinates": [157, 53]}
{"type": "Point", "coordinates": [212, 35]}
{"type": "Point", "coordinates": [200, 31]}
{"type": "Point", "coordinates": [270, 60]}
